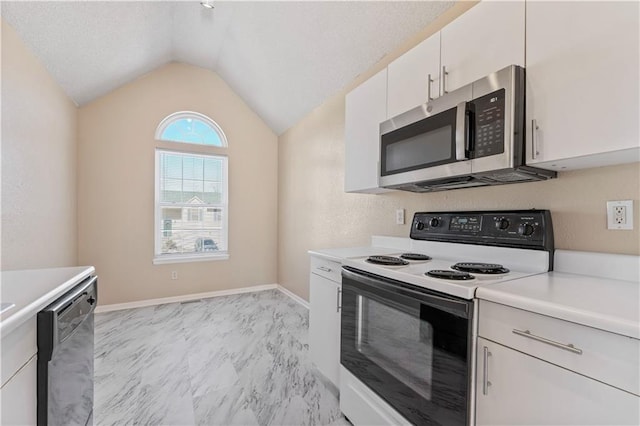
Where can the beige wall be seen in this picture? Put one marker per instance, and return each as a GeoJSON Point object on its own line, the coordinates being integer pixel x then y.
{"type": "Point", "coordinates": [38, 163]}
{"type": "Point", "coordinates": [314, 212]}
{"type": "Point", "coordinates": [116, 187]}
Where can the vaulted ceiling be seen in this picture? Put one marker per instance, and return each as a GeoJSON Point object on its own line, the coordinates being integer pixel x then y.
{"type": "Point", "coordinates": [283, 58]}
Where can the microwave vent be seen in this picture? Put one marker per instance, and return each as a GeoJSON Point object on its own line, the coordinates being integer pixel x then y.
{"type": "Point", "coordinates": [508, 177]}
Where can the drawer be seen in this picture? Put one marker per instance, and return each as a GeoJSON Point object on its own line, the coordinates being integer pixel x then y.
{"type": "Point", "coordinates": [326, 268]}
{"type": "Point", "coordinates": [607, 357]}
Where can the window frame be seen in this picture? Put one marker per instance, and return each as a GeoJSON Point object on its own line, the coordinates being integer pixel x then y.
{"type": "Point", "coordinates": [159, 257]}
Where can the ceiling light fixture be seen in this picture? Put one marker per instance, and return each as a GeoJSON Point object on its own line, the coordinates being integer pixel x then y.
{"type": "Point", "coordinates": [206, 4]}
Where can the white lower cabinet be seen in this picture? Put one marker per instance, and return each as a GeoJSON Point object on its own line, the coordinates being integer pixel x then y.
{"type": "Point", "coordinates": [18, 396]}
{"type": "Point", "coordinates": [514, 388]}
{"type": "Point", "coordinates": [536, 369]}
{"type": "Point", "coordinates": [324, 317]}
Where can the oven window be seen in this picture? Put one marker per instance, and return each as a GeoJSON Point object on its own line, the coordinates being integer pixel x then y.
{"type": "Point", "coordinates": [383, 330]}
{"type": "Point", "coordinates": [411, 348]}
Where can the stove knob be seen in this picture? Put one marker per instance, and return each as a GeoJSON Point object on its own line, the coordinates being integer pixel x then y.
{"type": "Point", "coordinates": [434, 222]}
{"type": "Point", "coordinates": [502, 224]}
{"type": "Point", "coordinates": [525, 229]}
{"type": "Point", "coordinates": [419, 226]}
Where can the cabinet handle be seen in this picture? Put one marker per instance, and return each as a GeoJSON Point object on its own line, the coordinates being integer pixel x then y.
{"type": "Point", "coordinates": [338, 300]}
{"type": "Point", "coordinates": [444, 79]}
{"type": "Point", "coordinates": [569, 347]}
{"type": "Point", "coordinates": [324, 268]}
{"type": "Point", "coordinates": [534, 139]}
{"type": "Point", "coordinates": [429, 81]}
{"type": "Point", "coordinates": [485, 378]}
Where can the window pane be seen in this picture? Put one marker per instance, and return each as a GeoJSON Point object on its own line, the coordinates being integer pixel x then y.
{"type": "Point", "coordinates": [191, 130]}
{"type": "Point", "coordinates": [213, 170]}
{"type": "Point", "coordinates": [194, 230]}
{"type": "Point", "coordinates": [192, 188]}
{"type": "Point", "coordinates": [193, 168]}
{"type": "Point", "coordinates": [212, 192]}
{"type": "Point", "coordinates": [197, 184]}
{"type": "Point", "coordinates": [172, 166]}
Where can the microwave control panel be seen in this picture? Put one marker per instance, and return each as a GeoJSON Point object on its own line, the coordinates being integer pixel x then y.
{"type": "Point", "coordinates": [511, 228]}
{"type": "Point", "coordinates": [488, 128]}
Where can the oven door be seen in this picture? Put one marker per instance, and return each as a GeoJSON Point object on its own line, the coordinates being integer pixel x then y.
{"type": "Point", "coordinates": [410, 346]}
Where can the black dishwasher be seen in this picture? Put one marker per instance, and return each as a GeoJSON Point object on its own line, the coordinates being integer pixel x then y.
{"type": "Point", "coordinates": [65, 357]}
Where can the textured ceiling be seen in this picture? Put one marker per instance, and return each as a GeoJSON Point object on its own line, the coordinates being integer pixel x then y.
{"type": "Point", "coordinates": [283, 58]}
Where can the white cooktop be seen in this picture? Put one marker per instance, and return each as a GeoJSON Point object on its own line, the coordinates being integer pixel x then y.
{"type": "Point", "coordinates": [414, 273]}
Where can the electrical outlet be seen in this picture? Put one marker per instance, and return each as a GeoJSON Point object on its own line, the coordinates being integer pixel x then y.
{"type": "Point", "coordinates": [400, 217]}
{"type": "Point", "coordinates": [174, 275]}
{"type": "Point", "coordinates": [620, 214]}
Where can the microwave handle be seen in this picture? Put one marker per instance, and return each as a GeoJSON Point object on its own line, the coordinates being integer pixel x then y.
{"type": "Point", "coordinates": [462, 142]}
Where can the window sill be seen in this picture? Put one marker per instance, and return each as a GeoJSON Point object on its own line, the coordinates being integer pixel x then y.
{"type": "Point", "coordinates": [186, 258]}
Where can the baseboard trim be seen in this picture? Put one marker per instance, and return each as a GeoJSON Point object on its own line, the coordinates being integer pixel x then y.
{"type": "Point", "coordinates": [294, 296]}
{"type": "Point", "coordinates": [189, 297]}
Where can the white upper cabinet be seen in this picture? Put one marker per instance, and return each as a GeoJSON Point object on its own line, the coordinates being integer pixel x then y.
{"type": "Point", "coordinates": [409, 75]}
{"type": "Point", "coordinates": [365, 109]}
{"type": "Point", "coordinates": [485, 39]}
{"type": "Point", "coordinates": [582, 84]}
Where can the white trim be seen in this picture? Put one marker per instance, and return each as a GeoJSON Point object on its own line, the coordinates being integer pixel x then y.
{"type": "Point", "coordinates": [183, 298]}
{"type": "Point", "coordinates": [186, 258]}
{"type": "Point", "coordinates": [294, 296]}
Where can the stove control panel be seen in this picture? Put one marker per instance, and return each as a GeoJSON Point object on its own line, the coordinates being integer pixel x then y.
{"type": "Point", "coordinates": [509, 228]}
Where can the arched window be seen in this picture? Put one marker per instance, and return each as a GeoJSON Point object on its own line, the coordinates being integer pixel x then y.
{"type": "Point", "coordinates": [191, 127]}
{"type": "Point", "coordinates": [191, 190]}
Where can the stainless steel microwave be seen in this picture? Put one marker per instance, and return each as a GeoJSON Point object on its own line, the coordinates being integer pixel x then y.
{"type": "Point", "coordinates": [473, 136]}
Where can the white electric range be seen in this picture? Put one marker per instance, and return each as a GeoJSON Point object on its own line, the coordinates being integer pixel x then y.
{"type": "Point", "coordinates": [408, 319]}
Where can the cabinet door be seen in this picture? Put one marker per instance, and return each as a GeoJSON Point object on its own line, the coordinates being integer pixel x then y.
{"type": "Point", "coordinates": [365, 109]}
{"type": "Point", "coordinates": [324, 326]}
{"type": "Point", "coordinates": [485, 39]}
{"type": "Point", "coordinates": [582, 83]}
{"type": "Point", "coordinates": [408, 77]}
{"type": "Point", "coordinates": [18, 396]}
{"type": "Point", "coordinates": [525, 390]}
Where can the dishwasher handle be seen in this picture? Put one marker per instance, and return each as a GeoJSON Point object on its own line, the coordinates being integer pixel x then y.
{"type": "Point", "coordinates": [58, 321]}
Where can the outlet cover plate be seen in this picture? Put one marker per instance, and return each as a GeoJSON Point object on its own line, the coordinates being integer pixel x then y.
{"type": "Point", "coordinates": [620, 215]}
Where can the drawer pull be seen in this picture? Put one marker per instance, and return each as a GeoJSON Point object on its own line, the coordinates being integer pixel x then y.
{"type": "Point", "coordinates": [485, 379]}
{"type": "Point", "coordinates": [325, 269]}
{"type": "Point", "coordinates": [568, 347]}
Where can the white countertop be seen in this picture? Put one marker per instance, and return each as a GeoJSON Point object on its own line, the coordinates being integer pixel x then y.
{"type": "Point", "coordinates": [606, 304]}
{"type": "Point", "coordinates": [33, 289]}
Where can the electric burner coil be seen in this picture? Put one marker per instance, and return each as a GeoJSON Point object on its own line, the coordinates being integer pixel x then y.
{"type": "Point", "coordinates": [446, 274]}
{"type": "Point", "coordinates": [387, 261]}
{"type": "Point", "coordinates": [415, 256]}
{"type": "Point", "coordinates": [480, 268]}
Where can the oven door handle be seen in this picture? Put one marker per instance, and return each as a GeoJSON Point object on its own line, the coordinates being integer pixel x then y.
{"type": "Point", "coordinates": [368, 284]}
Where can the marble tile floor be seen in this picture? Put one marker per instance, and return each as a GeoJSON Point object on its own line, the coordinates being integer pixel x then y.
{"type": "Point", "coordinates": [232, 360]}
